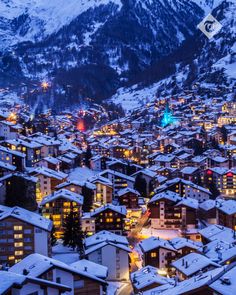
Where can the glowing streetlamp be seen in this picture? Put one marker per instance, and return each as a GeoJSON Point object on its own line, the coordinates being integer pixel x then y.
{"type": "Point", "coordinates": [45, 85]}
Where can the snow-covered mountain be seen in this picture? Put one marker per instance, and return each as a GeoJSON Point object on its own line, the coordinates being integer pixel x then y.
{"type": "Point", "coordinates": [199, 63]}
{"type": "Point", "coordinates": [34, 20]}
{"type": "Point", "coordinates": [98, 46]}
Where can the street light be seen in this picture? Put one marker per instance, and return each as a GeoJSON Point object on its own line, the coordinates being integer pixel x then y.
{"type": "Point", "coordinates": [45, 85]}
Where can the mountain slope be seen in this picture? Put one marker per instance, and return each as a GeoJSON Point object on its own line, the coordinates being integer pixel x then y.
{"type": "Point", "coordinates": [209, 65]}
{"type": "Point", "coordinates": [113, 39]}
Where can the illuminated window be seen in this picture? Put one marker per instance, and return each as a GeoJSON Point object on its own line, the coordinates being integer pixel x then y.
{"type": "Point", "coordinates": [118, 219]}
{"type": "Point", "coordinates": [17, 227]}
{"type": "Point", "coordinates": [109, 220]}
{"type": "Point", "coordinates": [153, 254]}
{"type": "Point", "coordinates": [18, 236]}
{"type": "Point", "coordinates": [18, 253]}
{"type": "Point", "coordinates": [18, 244]}
{"type": "Point", "coordinates": [11, 257]}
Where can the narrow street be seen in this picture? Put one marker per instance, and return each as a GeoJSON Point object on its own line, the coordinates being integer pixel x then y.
{"type": "Point", "coordinates": [134, 239]}
{"type": "Point", "coordinates": [126, 290]}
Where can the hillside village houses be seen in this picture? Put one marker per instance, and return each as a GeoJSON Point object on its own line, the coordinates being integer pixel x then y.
{"type": "Point", "coordinates": [153, 206]}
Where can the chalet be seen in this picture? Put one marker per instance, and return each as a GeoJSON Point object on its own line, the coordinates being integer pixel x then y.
{"type": "Point", "coordinates": [22, 233]}
{"type": "Point", "coordinates": [58, 205]}
{"type": "Point", "coordinates": [186, 189]}
{"type": "Point", "coordinates": [129, 197]}
{"type": "Point", "coordinates": [168, 210]}
{"type": "Point", "coordinates": [192, 264]}
{"type": "Point", "coordinates": [9, 130]}
{"type": "Point", "coordinates": [217, 232]}
{"type": "Point", "coordinates": [11, 157]}
{"type": "Point", "coordinates": [118, 180]}
{"type": "Point", "coordinates": [109, 250]}
{"type": "Point", "coordinates": [207, 211]}
{"type": "Point", "coordinates": [157, 252]}
{"type": "Point", "coordinates": [50, 163]}
{"type": "Point", "coordinates": [149, 177]}
{"type": "Point", "coordinates": [166, 160]}
{"type": "Point", "coordinates": [110, 218]}
{"type": "Point", "coordinates": [27, 194]}
{"type": "Point", "coordinates": [104, 190]}
{"type": "Point", "coordinates": [147, 278]}
{"type": "Point", "coordinates": [42, 267]}
{"type": "Point", "coordinates": [23, 284]}
{"type": "Point", "coordinates": [226, 214]}
{"type": "Point", "coordinates": [223, 179]}
{"type": "Point", "coordinates": [48, 180]}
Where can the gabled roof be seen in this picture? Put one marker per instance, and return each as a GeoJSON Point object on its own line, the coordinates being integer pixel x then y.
{"type": "Point", "coordinates": [65, 194]}
{"type": "Point", "coordinates": [218, 232]}
{"type": "Point", "coordinates": [49, 173]}
{"type": "Point", "coordinates": [119, 209]}
{"type": "Point", "coordinates": [26, 216]}
{"type": "Point", "coordinates": [11, 280]}
{"type": "Point", "coordinates": [127, 190]}
{"type": "Point", "coordinates": [37, 264]}
{"type": "Point", "coordinates": [92, 268]}
{"type": "Point", "coordinates": [115, 173]}
{"type": "Point", "coordinates": [147, 276]}
{"type": "Point", "coordinates": [104, 235]}
{"type": "Point", "coordinates": [154, 243]}
{"type": "Point", "coordinates": [193, 263]}
{"type": "Point", "coordinates": [168, 195]}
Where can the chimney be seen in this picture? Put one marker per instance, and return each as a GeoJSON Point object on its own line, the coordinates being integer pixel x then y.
{"type": "Point", "coordinates": [85, 268]}
{"type": "Point", "coordinates": [182, 262]}
{"type": "Point", "coordinates": [186, 264]}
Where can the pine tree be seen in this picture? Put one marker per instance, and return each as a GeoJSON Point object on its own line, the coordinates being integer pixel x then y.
{"type": "Point", "coordinates": [88, 198]}
{"type": "Point", "coordinates": [73, 234]}
{"type": "Point", "coordinates": [214, 190]}
{"type": "Point", "coordinates": [53, 239]}
{"type": "Point", "coordinates": [140, 185]}
{"type": "Point", "coordinates": [88, 156]}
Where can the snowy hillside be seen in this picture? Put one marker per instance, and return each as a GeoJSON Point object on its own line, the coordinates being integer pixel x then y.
{"type": "Point", "coordinates": [33, 20]}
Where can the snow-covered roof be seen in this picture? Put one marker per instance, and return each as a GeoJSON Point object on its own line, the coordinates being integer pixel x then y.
{"type": "Point", "coordinates": [147, 172]}
{"type": "Point", "coordinates": [189, 170]}
{"type": "Point", "coordinates": [52, 160]}
{"type": "Point", "coordinates": [7, 166]}
{"type": "Point", "coordinates": [228, 207]}
{"type": "Point", "coordinates": [64, 194]}
{"type": "Point", "coordinates": [103, 236]}
{"type": "Point", "coordinates": [115, 173]}
{"type": "Point", "coordinates": [188, 202]}
{"type": "Point", "coordinates": [184, 182]}
{"type": "Point", "coordinates": [207, 205]}
{"type": "Point", "coordinates": [9, 151]}
{"type": "Point", "coordinates": [27, 216]}
{"type": "Point", "coordinates": [104, 244]}
{"type": "Point", "coordinates": [11, 280]}
{"type": "Point", "coordinates": [37, 264]}
{"type": "Point", "coordinates": [127, 190]}
{"type": "Point", "coordinates": [94, 269]}
{"type": "Point", "coordinates": [49, 173]}
{"type": "Point", "coordinates": [147, 276]}
{"type": "Point", "coordinates": [179, 243]}
{"type": "Point", "coordinates": [192, 263]}
{"type": "Point", "coordinates": [218, 232]}
{"type": "Point", "coordinates": [168, 195]}
{"type": "Point", "coordinates": [164, 158]}
{"type": "Point", "coordinates": [189, 285]}
{"type": "Point", "coordinates": [119, 209]}
{"type": "Point", "coordinates": [153, 243]}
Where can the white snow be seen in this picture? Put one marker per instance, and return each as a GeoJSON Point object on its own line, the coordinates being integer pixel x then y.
{"type": "Point", "coordinates": [45, 17]}
{"type": "Point", "coordinates": [81, 174]}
